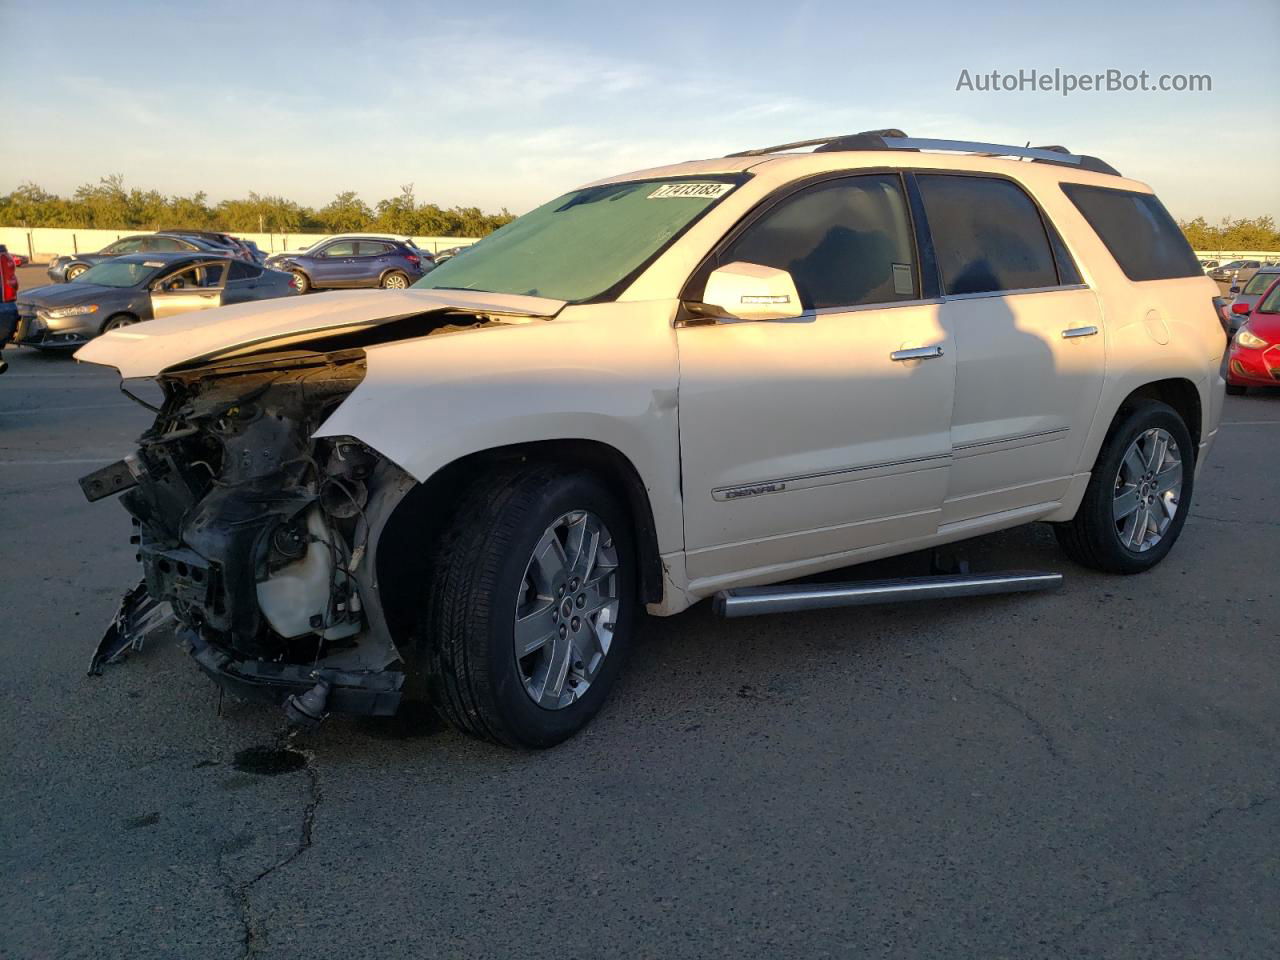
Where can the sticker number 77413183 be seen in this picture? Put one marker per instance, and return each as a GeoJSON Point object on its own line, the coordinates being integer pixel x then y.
{"type": "Point", "coordinates": [696, 191]}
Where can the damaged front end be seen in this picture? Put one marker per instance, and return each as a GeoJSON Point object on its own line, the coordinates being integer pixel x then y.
{"type": "Point", "coordinates": [259, 538]}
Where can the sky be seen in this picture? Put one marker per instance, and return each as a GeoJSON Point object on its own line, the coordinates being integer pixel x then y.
{"type": "Point", "coordinates": [509, 104]}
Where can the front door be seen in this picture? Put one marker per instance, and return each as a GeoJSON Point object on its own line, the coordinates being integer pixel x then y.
{"type": "Point", "coordinates": [804, 441]}
{"type": "Point", "coordinates": [335, 265]}
{"type": "Point", "coordinates": [195, 287]}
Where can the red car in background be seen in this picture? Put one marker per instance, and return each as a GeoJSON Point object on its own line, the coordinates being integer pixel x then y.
{"type": "Point", "coordinates": [8, 298]}
{"type": "Point", "coordinates": [1255, 349]}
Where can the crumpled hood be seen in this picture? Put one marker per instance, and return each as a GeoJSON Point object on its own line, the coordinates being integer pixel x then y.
{"type": "Point", "coordinates": [147, 349]}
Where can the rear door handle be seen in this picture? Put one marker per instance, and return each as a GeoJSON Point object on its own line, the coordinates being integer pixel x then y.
{"type": "Point", "coordinates": [1070, 332]}
{"type": "Point", "coordinates": [916, 353]}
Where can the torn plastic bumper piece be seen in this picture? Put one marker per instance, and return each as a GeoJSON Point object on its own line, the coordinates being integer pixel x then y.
{"type": "Point", "coordinates": [363, 693]}
{"type": "Point", "coordinates": [138, 616]}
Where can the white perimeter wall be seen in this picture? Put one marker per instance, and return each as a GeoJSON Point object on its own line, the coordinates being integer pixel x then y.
{"type": "Point", "coordinates": [42, 244]}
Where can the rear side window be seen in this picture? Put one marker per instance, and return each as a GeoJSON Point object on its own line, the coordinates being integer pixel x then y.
{"type": "Point", "coordinates": [169, 244]}
{"type": "Point", "coordinates": [243, 271]}
{"type": "Point", "coordinates": [987, 233]}
{"type": "Point", "coordinates": [846, 243]}
{"type": "Point", "coordinates": [1138, 230]}
{"type": "Point", "coordinates": [372, 248]}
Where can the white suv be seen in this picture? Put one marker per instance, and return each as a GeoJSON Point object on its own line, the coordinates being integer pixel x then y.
{"type": "Point", "coordinates": [661, 387]}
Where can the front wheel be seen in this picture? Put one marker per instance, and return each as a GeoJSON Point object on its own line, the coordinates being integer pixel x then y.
{"type": "Point", "coordinates": [1138, 496]}
{"type": "Point", "coordinates": [75, 270]}
{"type": "Point", "coordinates": [301, 281]}
{"type": "Point", "coordinates": [118, 321]}
{"type": "Point", "coordinates": [530, 609]}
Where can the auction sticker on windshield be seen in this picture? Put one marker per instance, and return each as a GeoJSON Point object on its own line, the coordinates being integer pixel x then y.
{"type": "Point", "coordinates": [702, 191]}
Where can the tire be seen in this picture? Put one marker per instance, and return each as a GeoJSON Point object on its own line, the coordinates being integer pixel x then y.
{"type": "Point", "coordinates": [1235, 390]}
{"type": "Point", "coordinates": [395, 280]}
{"type": "Point", "coordinates": [118, 321]}
{"type": "Point", "coordinates": [485, 572]}
{"type": "Point", "coordinates": [1104, 534]}
{"type": "Point", "coordinates": [75, 270]}
{"type": "Point", "coordinates": [302, 280]}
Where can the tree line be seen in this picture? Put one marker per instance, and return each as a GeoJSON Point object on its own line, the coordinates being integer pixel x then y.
{"type": "Point", "coordinates": [108, 205]}
{"type": "Point", "coordinates": [1255, 233]}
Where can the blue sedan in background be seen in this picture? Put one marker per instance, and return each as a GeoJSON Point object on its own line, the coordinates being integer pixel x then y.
{"type": "Point", "coordinates": [354, 262]}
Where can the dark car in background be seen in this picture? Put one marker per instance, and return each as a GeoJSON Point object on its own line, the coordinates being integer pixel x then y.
{"type": "Point", "coordinates": [65, 269]}
{"type": "Point", "coordinates": [135, 287]}
{"type": "Point", "coordinates": [1246, 300]}
{"type": "Point", "coordinates": [236, 246]}
{"type": "Point", "coordinates": [354, 262]}
{"type": "Point", "coordinates": [1235, 272]}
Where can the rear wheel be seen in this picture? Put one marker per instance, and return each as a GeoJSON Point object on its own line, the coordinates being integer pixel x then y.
{"type": "Point", "coordinates": [75, 270]}
{"type": "Point", "coordinates": [530, 609]}
{"type": "Point", "coordinates": [1138, 496]}
{"type": "Point", "coordinates": [395, 281]}
{"type": "Point", "coordinates": [301, 280]}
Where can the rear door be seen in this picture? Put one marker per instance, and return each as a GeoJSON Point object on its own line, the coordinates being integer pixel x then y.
{"type": "Point", "coordinates": [373, 258]}
{"type": "Point", "coordinates": [198, 286]}
{"type": "Point", "coordinates": [242, 282]}
{"type": "Point", "coordinates": [1029, 345]}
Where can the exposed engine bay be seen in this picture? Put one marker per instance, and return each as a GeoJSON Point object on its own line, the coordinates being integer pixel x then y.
{"type": "Point", "coordinates": [259, 537]}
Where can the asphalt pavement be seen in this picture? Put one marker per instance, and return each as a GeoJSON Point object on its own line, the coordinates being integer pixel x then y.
{"type": "Point", "coordinates": [1086, 773]}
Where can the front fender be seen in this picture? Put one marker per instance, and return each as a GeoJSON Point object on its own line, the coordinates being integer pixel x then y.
{"type": "Point", "coordinates": [602, 372]}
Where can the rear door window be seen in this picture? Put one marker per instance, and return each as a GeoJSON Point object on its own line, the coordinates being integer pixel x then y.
{"type": "Point", "coordinates": [372, 248]}
{"type": "Point", "coordinates": [1138, 231]}
{"type": "Point", "coordinates": [243, 271]}
{"type": "Point", "coordinates": [988, 235]}
{"type": "Point", "coordinates": [846, 242]}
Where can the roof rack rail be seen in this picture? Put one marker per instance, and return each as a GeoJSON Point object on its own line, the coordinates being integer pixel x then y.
{"type": "Point", "coordinates": [892, 139]}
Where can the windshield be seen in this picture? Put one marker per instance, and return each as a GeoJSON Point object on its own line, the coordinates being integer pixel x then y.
{"type": "Point", "coordinates": [1271, 304]}
{"type": "Point", "coordinates": [116, 273]}
{"type": "Point", "coordinates": [581, 245]}
{"type": "Point", "coordinates": [1258, 283]}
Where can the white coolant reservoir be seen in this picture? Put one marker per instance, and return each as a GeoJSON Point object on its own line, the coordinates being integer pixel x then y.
{"type": "Point", "coordinates": [291, 596]}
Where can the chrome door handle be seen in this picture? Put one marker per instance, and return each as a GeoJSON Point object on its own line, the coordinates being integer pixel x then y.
{"type": "Point", "coordinates": [1070, 332]}
{"type": "Point", "coordinates": [916, 353]}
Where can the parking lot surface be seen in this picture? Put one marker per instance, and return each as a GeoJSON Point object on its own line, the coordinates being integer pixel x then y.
{"type": "Point", "coordinates": [1086, 773]}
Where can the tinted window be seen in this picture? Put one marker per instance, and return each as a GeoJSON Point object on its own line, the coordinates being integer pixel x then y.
{"type": "Point", "coordinates": [127, 245]}
{"type": "Point", "coordinates": [1138, 230]}
{"type": "Point", "coordinates": [244, 271]}
{"type": "Point", "coordinates": [372, 248]}
{"type": "Point", "coordinates": [166, 243]}
{"type": "Point", "coordinates": [988, 235]}
{"type": "Point", "coordinates": [1258, 283]}
{"type": "Point", "coordinates": [845, 243]}
{"type": "Point", "coordinates": [343, 248]}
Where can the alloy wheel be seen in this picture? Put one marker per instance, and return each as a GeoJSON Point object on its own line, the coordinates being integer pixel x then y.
{"type": "Point", "coordinates": [567, 610]}
{"type": "Point", "coordinates": [1148, 490]}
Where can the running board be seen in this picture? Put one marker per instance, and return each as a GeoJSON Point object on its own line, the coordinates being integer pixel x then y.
{"type": "Point", "coordinates": [749, 601]}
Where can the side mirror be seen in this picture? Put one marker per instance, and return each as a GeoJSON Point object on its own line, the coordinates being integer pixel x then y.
{"type": "Point", "coordinates": [749, 291]}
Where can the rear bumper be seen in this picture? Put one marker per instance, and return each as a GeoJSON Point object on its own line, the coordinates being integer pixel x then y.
{"type": "Point", "coordinates": [369, 694]}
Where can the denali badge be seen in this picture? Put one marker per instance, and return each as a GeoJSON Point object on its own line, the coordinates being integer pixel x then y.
{"type": "Point", "coordinates": [737, 493]}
